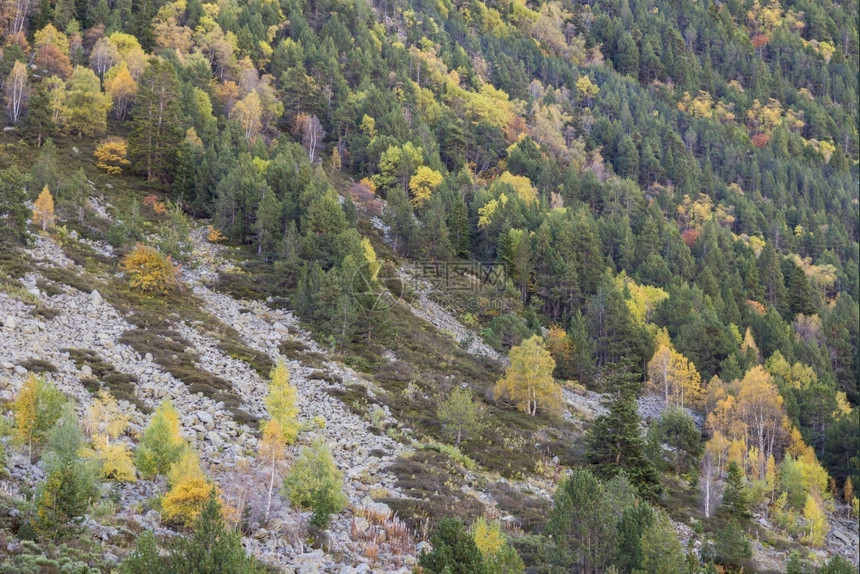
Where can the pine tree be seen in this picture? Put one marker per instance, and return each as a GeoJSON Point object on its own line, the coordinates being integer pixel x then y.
{"type": "Point", "coordinates": [145, 558]}
{"type": "Point", "coordinates": [46, 169]}
{"type": "Point", "coordinates": [458, 227]}
{"type": "Point", "coordinates": [213, 548]}
{"type": "Point", "coordinates": [315, 482]}
{"type": "Point", "coordinates": [771, 276]}
{"type": "Point", "coordinates": [453, 551]}
{"type": "Point", "coordinates": [155, 135]}
{"type": "Point", "coordinates": [661, 550]}
{"type": "Point", "coordinates": [632, 524]}
{"type": "Point", "coordinates": [731, 546]}
{"type": "Point", "coordinates": [268, 223]}
{"type": "Point", "coordinates": [580, 523]}
{"type": "Point", "coordinates": [70, 484]}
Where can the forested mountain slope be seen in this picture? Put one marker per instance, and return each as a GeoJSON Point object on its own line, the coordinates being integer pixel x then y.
{"type": "Point", "coordinates": [560, 271]}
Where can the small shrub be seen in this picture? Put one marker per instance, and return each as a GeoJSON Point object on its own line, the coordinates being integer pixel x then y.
{"type": "Point", "coordinates": [315, 482]}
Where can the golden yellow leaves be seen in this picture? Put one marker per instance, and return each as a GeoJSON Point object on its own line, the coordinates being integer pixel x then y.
{"type": "Point", "coordinates": [43, 210]}
{"type": "Point", "coordinates": [149, 270]}
{"type": "Point", "coordinates": [111, 155]}
{"type": "Point", "coordinates": [528, 381]}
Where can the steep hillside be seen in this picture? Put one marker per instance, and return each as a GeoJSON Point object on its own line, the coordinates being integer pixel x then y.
{"type": "Point", "coordinates": [383, 286]}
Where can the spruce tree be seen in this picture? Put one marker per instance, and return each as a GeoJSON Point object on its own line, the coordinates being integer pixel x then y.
{"type": "Point", "coordinates": [155, 134]}
{"type": "Point", "coordinates": [39, 121]}
{"type": "Point", "coordinates": [614, 442]}
{"type": "Point", "coordinates": [458, 227]}
{"type": "Point", "coordinates": [735, 498]}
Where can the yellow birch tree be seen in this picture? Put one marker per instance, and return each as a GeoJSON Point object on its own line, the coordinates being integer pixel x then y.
{"type": "Point", "coordinates": [528, 381]}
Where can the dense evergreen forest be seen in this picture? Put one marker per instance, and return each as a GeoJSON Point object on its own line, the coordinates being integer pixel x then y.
{"type": "Point", "coordinates": [670, 186]}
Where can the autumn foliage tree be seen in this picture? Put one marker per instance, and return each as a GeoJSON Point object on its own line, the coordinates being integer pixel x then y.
{"type": "Point", "coordinates": [17, 91]}
{"type": "Point", "coordinates": [528, 381]}
{"type": "Point", "coordinates": [111, 155]}
{"type": "Point", "coordinates": [43, 210]}
{"type": "Point", "coordinates": [674, 376]}
{"type": "Point", "coordinates": [86, 106]}
{"type": "Point", "coordinates": [36, 408]}
{"type": "Point", "coordinates": [189, 489]}
{"type": "Point", "coordinates": [120, 85]}
{"type": "Point", "coordinates": [272, 450]}
{"type": "Point", "coordinates": [149, 270]}
{"type": "Point", "coordinates": [107, 423]}
{"type": "Point", "coordinates": [422, 184]}
{"type": "Point", "coordinates": [282, 402]}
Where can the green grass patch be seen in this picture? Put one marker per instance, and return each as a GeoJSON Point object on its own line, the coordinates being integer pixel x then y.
{"type": "Point", "coordinates": [38, 366]}
{"type": "Point", "coordinates": [531, 511]}
{"type": "Point", "coordinates": [432, 481]}
{"type": "Point", "coordinates": [80, 280]}
{"type": "Point", "coordinates": [258, 360]}
{"type": "Point", "coordinates": [14, 264]}
{"type": "Point", "coordinates": [50, 288]}
{"type": "Point", "coordinates": [121, 385]}
{"type": "Point", "coordinates": [44, 313]}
